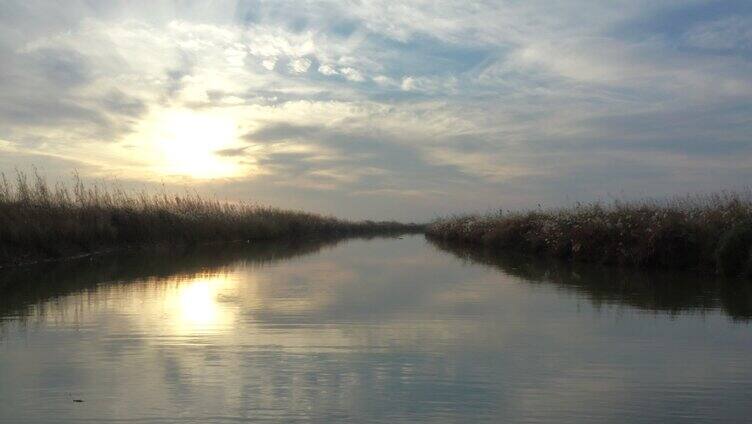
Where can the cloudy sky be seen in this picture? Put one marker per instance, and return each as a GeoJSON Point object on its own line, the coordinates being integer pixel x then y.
{"type": "Point", "coordinates": [383, 109]}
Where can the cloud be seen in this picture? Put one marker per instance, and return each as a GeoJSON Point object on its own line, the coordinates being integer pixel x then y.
{"type": "Point", "coordinates": [62, 67]}
{"type": "Point", "coordinates": [469, 103]}
{"type": "Point", "coordinates": [233, 152]}
{"type": "Point", "coordinates": [281, 131]}
{"type": "Point", "coordinates": [269, 64]}
{"type": "Point", "coordinates": [433, 85]}
{"type": "Point", "coordinates": [300, 65]}
{"type": "Point", "coordinates": [352, 74]}
{"type": "Point", "coordinates": [408, 83]}
{"type": "Point", "coordinates": [385, 81]}
{"type": "Point", "coordinates": [327, 70]}
{"type": "Point", "coordinates": [730, 33]}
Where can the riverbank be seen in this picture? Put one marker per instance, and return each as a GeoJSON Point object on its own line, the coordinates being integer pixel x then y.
{"type": "Point", "coordinates": [42, 222]}
{"type": "Point", "coordinates": [709, 233]}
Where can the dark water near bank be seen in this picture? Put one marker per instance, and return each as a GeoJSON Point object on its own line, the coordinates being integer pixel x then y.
{"type": "Point", "coordinates": [383, 330]}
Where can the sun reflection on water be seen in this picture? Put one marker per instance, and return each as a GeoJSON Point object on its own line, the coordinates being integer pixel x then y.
{"type": "Point", "coordinates": [197, 307]}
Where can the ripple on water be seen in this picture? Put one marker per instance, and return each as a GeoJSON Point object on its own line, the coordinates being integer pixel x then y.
{"type": "Point", "coordinates": [381, 331]}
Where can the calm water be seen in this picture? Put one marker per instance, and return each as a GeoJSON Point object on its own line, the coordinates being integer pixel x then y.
{"type": "Point", "coordinates": [383, 330]}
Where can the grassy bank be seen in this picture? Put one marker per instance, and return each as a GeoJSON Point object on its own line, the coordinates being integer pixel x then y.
{"type": "Point", "coordinates": [710, 233]}
{"type": "Point", "coordinates": [39, 221]}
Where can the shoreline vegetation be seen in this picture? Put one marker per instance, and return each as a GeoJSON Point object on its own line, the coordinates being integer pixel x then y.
{"type": "Point", "coordinates": [711, 233]}
{"type": "Point", "coordinates": [39, 222]}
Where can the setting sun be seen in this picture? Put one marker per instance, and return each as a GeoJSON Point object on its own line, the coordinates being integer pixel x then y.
{"type": "Point", "coordinates": [187, 142]}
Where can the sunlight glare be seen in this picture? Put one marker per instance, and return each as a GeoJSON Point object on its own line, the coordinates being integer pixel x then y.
{"type": "Point", "coordinates": [197, 307]}
{"type": "Point", "coordinates": [188, 141]}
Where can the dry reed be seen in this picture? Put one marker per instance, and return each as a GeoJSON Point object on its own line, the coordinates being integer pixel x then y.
{"type": "Point", "coordinates": [711, 232]}
{"type": "Point", "coordinates": [39, 221]}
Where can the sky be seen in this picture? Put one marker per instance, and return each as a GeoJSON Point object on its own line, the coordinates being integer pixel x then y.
{"type": "Point", "coordinates": [382, 109]}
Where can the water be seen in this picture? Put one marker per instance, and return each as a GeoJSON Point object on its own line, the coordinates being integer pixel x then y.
{"type": "Point", "coordinates": [371, 331]}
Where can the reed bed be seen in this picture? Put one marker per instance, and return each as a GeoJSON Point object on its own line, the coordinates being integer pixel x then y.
{"type": "Point", "coordinates": [40, 221]}
{"type": "Point", "coordinates": [710, 232]}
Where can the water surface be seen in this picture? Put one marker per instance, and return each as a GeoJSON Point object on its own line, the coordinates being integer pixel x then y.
{"type": "Point", "coordinates": [373, 331]}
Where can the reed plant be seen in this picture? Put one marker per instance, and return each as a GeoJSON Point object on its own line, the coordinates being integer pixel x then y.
{"type": "Point", "coordinates": [709, 232]}
{"type": "Point", "coordinates": [43, 221]}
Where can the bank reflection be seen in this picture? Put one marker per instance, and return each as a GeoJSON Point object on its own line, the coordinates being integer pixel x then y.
{"type": "Point", "coordinates": [666, 291]}
{"type": "Point", "coordinates": [24, 290]}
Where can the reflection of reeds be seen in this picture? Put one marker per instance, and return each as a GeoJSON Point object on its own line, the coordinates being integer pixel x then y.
{"type": "Point", "coordinates": [709, 232]}
{"type": "Point", "coordinates": [670, 291]}
{"type": "Point", "coordinates": [159, 263]}
{"type": "Point", "coordinates": [38, 221]}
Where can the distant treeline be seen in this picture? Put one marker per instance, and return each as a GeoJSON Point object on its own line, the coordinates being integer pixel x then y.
{"type": "Point", "coordinates": [711, 233]}
{"type": "Point", "coordinates": [39, 221]}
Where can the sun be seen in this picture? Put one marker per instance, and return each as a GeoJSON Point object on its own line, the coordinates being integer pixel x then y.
{"type": "Point", "coordinates": [188, 143]}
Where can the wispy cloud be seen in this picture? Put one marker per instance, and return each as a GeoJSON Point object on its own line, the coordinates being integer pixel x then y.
{"type": "Point", "coordinates": [367, 103]}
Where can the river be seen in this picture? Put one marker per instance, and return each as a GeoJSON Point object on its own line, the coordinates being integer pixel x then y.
{"type": "Point", "coordinates": [386, 330]}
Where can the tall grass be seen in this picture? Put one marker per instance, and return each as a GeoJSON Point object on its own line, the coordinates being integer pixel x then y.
{"type": "Point", "coordinates": [712, 232]}
{"type": "Point", "coordinates": [40, 221]}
